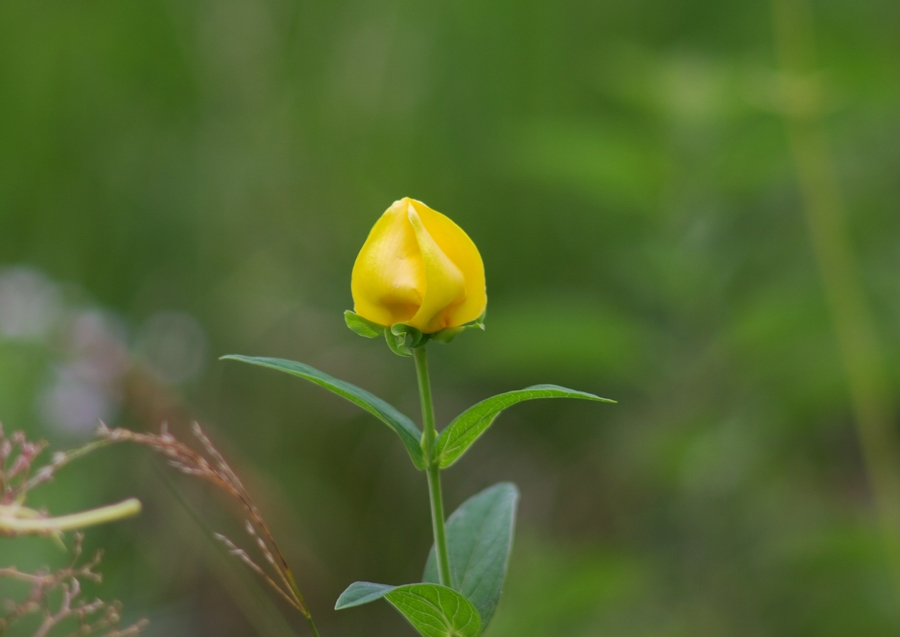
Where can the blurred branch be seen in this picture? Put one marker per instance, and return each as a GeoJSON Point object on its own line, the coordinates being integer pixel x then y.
{"type": "Point", "coordinates": [18, 476]}
{"type": "Point", "coordinates": [92, 616]}
{"type": "Point", "coordinates": [214, 469]}
{"type": "Point", "coordinates": [263, 614]}
{"type": "Point", "coordinates": [18, 520]}
{"type": "Point", "coordinates": [153, 402]}
{"type": "Point", "coordinates": [61, 459]}
{"type": "Point", "coordinates": [873, 405]}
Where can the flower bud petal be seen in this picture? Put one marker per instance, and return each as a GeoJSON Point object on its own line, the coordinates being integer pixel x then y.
{"type": "Point", "coordinates": [388, 279]}
{"type": "Point", "coordinates": [463, 253]}
{"type": "Point", "coordinates": [420, 269]}
{"type": "Point", "coordinates": [444, 287]}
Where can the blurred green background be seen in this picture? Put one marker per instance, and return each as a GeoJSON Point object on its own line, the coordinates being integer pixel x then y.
{"type": "Point", "coordinates": [183, 180]}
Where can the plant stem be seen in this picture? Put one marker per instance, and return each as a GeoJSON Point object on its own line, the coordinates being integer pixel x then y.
{"type": "Point", "coordinates": [12, 522]}
{"type": "Point", "coordinates": [870, 393]}
{"type": "Point", "coordinates": [296, 590]}
{"type": "Point", "coordinates": [433, 471]}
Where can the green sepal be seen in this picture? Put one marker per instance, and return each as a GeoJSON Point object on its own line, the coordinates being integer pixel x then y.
{"type": "Point", "coordinates": [403, 338]}
{"type": "Point", "coordinates": [432, 609]}
{"type": "Point", "coordinates": [404, 427]}
{"type": "Point", "coordinates": [466, 428]}
{"type": "Point", "coordinates": [447, 335]}
{"type": "Point", "coordinates": [479, 541]}
{"type": "Point", "coordinates": [397, 344]}
{"type": "Point", "coordinates": [362, 326]}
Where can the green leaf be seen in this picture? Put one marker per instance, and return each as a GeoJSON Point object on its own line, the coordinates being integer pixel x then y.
{"type": "Point", "coordinates": [469, 425]}
{"type": "Point", "coordinates": [362, 326]}
{"type": "Point", "coordinates": [405, 428]}
{"type": "Point", "coordinates": [359, 593]}
{"type": "Point", "coordinates": [432, 609]}
{"type": "Point", "coordinates": [436, 611]}
{"type": "Point", "coordinates": [479, 540]}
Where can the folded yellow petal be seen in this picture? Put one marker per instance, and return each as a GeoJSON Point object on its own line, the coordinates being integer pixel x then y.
{"type": "Point", "coordinates": [419, 268]}
{"type": "Point", "coordinates": [461, 250]}
{"type": "Point", "coordinates": [444, 286]}
{"type": "Point", "coordinates": [388, 279]}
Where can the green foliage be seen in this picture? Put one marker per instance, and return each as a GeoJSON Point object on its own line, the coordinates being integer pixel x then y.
{"type": "Point", "coordinates": [362, 326]}
{"type": "Point", "coordinates": [434, 610]}
{"type": "Point", "coordinates": [402, 339]}
{"type": "Point", "coordinates": [405, 428]}
{"type": "Point", "coordinates": [359, 593]}
{"type": "Point", "coordinates": [626, 176]}
{"type": "Point", "coordinates": [447, 335]}
{"type": "Point", "coordinates": [479, 533]}
{"type": "Point", "coordinates": [479, 541]}
{"type": "Point", "coordinates": [460, 434]}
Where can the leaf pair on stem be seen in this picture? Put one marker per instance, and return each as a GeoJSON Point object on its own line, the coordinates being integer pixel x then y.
{"type": "Point", "coordinates": [477, 539]}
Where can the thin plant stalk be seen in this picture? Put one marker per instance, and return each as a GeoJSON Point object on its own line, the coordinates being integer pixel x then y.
{"type": "Point", "coordinates": [432, 470]}
{"type": "Point", "coordinates": [220, 473]}
{"type": "Point", "coordinates": [11, 523]}
{"type": "Point", "coordinates": [264, 616]}
{"type": "Point", "coordinates": [62, 458]}
{"type": "Point", "coordinates": [874, 411]}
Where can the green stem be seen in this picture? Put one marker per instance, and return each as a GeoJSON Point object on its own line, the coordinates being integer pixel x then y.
{"type": "Point", "coordinates": [12, 522]}
{"type": "Point", "coordinates": [299, 596]}
{"type": "Point", "coordinates": [861, 353]}
{"type": "Point", "coordinates": [433, 471]}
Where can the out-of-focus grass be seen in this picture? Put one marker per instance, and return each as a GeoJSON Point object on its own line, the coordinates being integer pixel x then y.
{"type": "Point", "coordinates": [624, 170]}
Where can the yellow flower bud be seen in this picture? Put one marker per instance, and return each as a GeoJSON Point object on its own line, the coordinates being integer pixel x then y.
{"type": "Point", "coordinates": [418, 268]}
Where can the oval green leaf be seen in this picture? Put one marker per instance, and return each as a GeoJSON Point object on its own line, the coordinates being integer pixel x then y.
{"type": "Point", "coordinates": [479, 541]}
{"type": "Point", "coordinates": [459, 435]}
{"type": "Point", "coordinates": [432, 609]}
{"type": "Point", "coordinates": [405, 428]}
{"type": "Point", "coordinates": [436, 611]}
{"type": "Point", "coordinates": [359, 593]}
